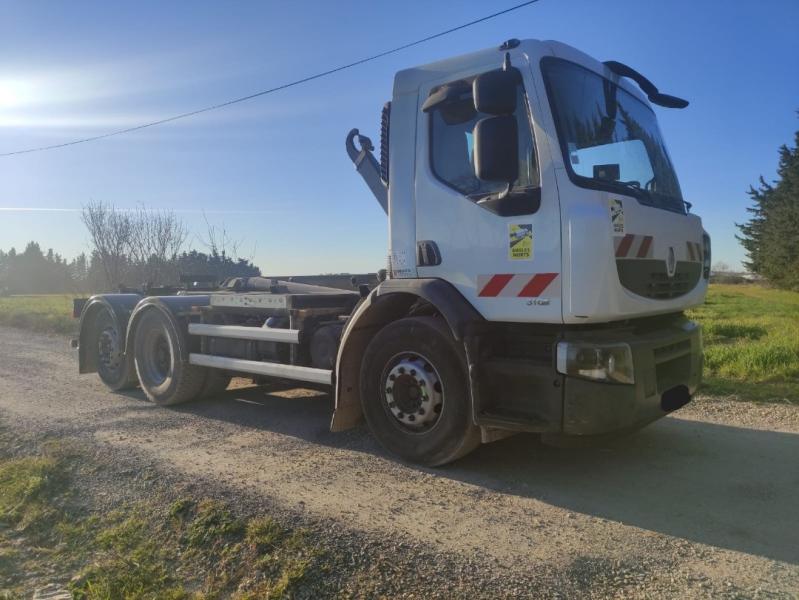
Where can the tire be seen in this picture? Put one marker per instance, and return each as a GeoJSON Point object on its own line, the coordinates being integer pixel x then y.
{"type": "Point", "coordinates": [114, 367]}
{"type": "Point", "coordinates": [166, 377]}
{"type": "Point", "coordinates": [414, 392]}
{"type": "Point", "coordinates": [216, 382]}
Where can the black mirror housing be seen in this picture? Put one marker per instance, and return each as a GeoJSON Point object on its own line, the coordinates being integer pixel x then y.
{"type": "Point", "coordinates": [494, 92]}
{"type": "Point", "coordinates": [496, 149]}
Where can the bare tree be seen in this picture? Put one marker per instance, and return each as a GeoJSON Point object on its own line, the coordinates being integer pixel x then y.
{"type": "Point", "coordinates": [111, 233]}
{"type": "Point", "coordinates": [142, 245]}
{"type": "Point", "coordinates": [218, 242]}
{"type": "Point", "coordinates": [158, 237]}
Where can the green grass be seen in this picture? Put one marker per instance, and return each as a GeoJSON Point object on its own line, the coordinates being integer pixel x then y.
{"type": "Point", "coordinates": [751, 340]}
{"type": "Point", "coordinates": [50, 313]}
{"type": "Point", "coordinates": [26, 484]}
{"type": "Point", "coordinates": [184, 550]}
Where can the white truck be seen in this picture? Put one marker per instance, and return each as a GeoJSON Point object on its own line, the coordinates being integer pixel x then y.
{"type": "Point", "coordinates": [540, 259]}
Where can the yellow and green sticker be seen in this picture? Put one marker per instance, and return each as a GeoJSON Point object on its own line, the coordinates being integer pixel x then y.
{"type": "Point", "coordinates": [520, 241]}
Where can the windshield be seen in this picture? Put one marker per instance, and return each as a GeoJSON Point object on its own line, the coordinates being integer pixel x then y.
{"type": "Point", "coordinates": [609, 138]}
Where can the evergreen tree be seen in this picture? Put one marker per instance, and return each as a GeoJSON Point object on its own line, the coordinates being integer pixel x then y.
{"type": "Point", "coordinates": [771, 236]}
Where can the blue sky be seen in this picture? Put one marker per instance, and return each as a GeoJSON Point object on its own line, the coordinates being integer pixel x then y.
{"type": "Point", "coordinates": [274, 169]}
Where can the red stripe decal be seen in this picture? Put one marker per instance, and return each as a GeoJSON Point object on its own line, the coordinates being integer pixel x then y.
{"type": "Point", "coordinates": [537, 285]}
{"type": "Point", "coordinates": [495, 285]}
{"type": "Point", "coordinates": [644, 249]}
{"type": "Point", "coordinates": [691, 251]}
{"type": "Point", "coordinates": [624, 245]}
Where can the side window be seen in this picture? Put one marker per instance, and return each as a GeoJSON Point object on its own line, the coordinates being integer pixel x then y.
{"type": "Point", "coordinates": [451, 146]}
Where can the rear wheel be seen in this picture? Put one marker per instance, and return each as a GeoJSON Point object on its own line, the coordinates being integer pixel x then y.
{"type": "Point", "coordinates": [414, 392]}
{"type": "Point", "coordinates": [114, 368]}
{"type": "Point", "coordinates": [164, 373]}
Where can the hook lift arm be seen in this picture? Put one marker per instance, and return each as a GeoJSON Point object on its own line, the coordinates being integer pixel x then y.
{"type": "Point", "coordinates": [367, 166]}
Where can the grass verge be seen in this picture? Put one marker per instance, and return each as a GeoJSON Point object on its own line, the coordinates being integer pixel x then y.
{"type": "Point", "coordinates": [50, 313]}
{"type": "Point", "coordinates": [180, 549]}
{"type": "Point", "coordinates": [751, 340]}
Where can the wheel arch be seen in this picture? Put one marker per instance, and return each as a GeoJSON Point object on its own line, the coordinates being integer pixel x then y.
{"type": "Point", "coordinates": [119, 306]}
{"type": "Point", "coordinates": [391, 300]}
{"type": "Point", "coordinates": [177, 309]}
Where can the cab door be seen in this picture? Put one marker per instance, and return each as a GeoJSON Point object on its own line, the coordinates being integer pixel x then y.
{"type": "Point", "coordinates": [502, 254]}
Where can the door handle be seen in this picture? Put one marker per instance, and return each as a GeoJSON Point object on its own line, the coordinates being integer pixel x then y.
{"type": "Point", "coordinates": [427, 254]}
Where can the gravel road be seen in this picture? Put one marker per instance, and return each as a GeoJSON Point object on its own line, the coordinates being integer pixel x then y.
{"type": "Point", "coordinates": [701, 504]}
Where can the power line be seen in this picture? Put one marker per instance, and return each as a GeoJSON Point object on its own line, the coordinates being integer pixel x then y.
{"type": "Point", "coordinates": [274, 89]}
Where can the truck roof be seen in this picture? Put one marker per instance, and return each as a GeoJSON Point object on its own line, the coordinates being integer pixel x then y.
{"type": "Point", "coordinates": [409, 80]}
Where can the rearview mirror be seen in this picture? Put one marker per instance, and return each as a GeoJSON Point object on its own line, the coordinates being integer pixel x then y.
{"type": "Point", "coordinates": [494, 92]}
{"type": "Point", "coordinates": [496, 149]}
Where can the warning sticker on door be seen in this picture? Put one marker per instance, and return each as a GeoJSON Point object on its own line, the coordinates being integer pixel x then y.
{"type": "Point", "coordinates": [617, 215]}
{"type": "Point", "coordinates": [520, 241]}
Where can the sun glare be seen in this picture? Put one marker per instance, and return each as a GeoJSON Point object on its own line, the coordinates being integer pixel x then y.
{"type": "Point", "coordinates": [14, 92]}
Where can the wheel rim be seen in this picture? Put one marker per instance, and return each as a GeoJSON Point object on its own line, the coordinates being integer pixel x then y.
{"type": "Point", "coordinates": [413, 392]}
{"type": "Point", "coordinates": [156, 357]}
{"type": "Point", "coordinates": [108, 349]}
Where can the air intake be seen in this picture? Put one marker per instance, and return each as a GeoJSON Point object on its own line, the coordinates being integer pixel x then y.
{"type": "Point", "coordinates": [384, 130]}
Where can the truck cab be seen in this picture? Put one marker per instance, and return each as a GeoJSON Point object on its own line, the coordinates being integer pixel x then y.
{"type": "Point", "coordinates": [541, 255]}
{"type": "Point", "coordinates": [608, 235]}
{"type": "Point", "coordinates": [580, 258]}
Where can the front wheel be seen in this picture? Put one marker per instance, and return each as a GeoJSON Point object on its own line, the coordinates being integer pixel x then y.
{"type": "Point", "coordinates": [414, 392]}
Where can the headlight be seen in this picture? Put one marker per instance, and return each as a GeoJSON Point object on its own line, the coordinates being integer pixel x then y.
{"type": "Point", "coordinates": [602, 362]}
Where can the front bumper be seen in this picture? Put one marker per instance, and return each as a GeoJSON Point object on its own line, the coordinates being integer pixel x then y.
{"type": "Point", "coordinates": [667, 364]}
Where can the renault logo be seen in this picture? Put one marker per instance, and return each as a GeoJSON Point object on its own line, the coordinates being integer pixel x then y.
{"type": "Point", "coordinates": [671, 262]}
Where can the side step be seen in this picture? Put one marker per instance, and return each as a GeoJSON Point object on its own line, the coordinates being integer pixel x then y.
{"type": "Point", "coordinates": [266, 334]}
{"type": "Point", "coordinates": [269, 369]}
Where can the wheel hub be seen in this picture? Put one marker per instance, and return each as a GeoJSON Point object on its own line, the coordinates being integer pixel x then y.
{"type": "Point", "coordinates": [162, 358]}
{"type": "Point", "coordinates": [155, 357]}
{"type": "Point", "coordinates": [413, 391]}
{"type": "Point", "coordinates": [109, 351]}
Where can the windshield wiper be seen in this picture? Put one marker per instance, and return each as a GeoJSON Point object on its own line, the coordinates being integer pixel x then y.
{"type": "Point", "coordinates": [633, 185]}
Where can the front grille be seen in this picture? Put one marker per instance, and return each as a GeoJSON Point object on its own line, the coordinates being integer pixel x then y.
{"type": "Point", "coordinates": [648, 278]}
{"type": "Point", "coordinates": [518, 341]}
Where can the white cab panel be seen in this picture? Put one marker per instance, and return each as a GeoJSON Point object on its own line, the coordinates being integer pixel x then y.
{"type": "Point", "coordinates": [474, 243]}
